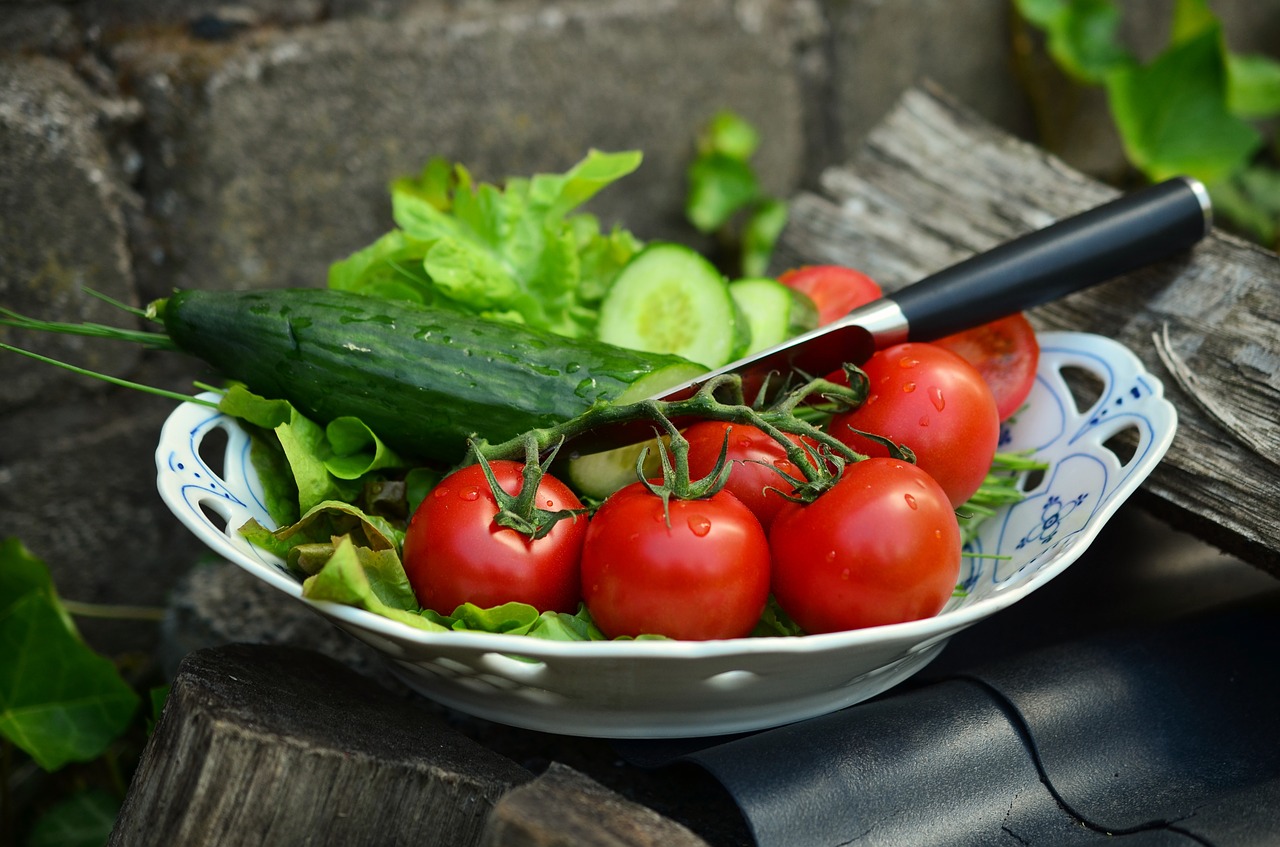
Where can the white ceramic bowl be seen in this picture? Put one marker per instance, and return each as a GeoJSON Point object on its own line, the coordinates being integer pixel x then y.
{"type": "Point", "coordinates": [639, 689]}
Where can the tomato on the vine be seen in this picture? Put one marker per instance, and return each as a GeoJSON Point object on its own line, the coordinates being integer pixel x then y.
{"type": "Point", "coordinates": [934, 402]}
{"type": "Point", "coordinates": [881, 546]}
{"type": "Point", "coordinates": [760, 472]}
{"type": "Point", "coordinates": [1006, 353]}
{"type": "Point", "coordinates": [836, 290]}
{"type": "Point", "coordinates": [696, 569]}
{"type": "Point", "coordinates": [455, 553]}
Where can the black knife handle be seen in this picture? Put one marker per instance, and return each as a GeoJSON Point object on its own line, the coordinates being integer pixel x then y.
{"type": "Point", "coordinates": [1100, 244]}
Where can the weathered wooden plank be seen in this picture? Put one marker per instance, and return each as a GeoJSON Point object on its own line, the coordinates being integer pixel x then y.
{"type": "Point", "coordinates": [934, 184]}
{"type": "Point", "coordinates": [566, 808]}
{"type": "Point", "coordinates": [280, 746]}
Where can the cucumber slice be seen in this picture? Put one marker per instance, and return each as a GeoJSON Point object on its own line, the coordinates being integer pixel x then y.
{"type": "Point", "coordinates": [669, 299]}
{"type": "Point", "coordinates": [597, 475]}
{"type": "Point", "coordinates": [774, 312]}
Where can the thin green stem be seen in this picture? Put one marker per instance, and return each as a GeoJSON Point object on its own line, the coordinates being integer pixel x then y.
{"type": "Point", "coordinates": [110, 611]}
{"type": "Point", "coordinates": [153, 340]}
{"type": "Point", "coordinates": [122, 306]}
{"type": "Point", "coordinates": [124, 383]}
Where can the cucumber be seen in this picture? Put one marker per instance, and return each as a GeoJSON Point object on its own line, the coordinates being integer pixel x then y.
{"type": "Point", "coordinates": [423, 379]}
{"type": "Point", "coordinates": [774, 312]}
{"type": "Point", "coordinates": [669, 299]}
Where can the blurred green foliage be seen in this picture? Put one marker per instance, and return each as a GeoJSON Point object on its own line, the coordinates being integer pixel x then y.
{"type": "Point", "coordinates": [1196, 108]}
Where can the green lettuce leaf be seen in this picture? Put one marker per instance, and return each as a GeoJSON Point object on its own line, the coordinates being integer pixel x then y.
{"type": "Point", "coordinates": [356, 451]}
{"type": "Point", "coordinates": [317, 530]}
{"type": "Point", "coordinates": [367, 580]}
{"type": "Point", "coordinates": [513, 253]}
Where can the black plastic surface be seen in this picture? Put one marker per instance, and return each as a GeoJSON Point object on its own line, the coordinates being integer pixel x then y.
{"type": "Point", "coordinates": [1129, 233]}
{"type": "Point", "coordinates": [1122, 705]}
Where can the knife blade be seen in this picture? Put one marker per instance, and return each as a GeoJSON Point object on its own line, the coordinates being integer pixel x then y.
{"type": "Point", "coordinates": [1075, 253]}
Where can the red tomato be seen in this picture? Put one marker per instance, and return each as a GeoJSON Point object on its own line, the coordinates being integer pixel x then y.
{"type": "Point", "coordinates": [1006, 353]}
{"type": "Point", "coordinates": [882, 546]}
{"type": "Point", "coordinates": [703, 576]}
{"type": "Point", "coordinates": [834, 289]}
{"type": "Point", "coordinates": [454, 553]}
{"type": "Point", "coordinates": [934, 402]}
{"type": "Point", "coordinates": [756, 458]}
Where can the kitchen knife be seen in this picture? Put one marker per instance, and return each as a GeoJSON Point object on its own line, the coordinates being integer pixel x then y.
{"type": "Point", "coordinates": [1070, 255]}
{"type": "Point", "coordinates": [1102, 243]}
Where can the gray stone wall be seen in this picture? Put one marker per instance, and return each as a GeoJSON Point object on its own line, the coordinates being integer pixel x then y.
{"type": "Point", "coordinates": [147, 145]}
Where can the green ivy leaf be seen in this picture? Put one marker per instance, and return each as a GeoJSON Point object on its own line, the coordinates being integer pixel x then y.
{"type": "Point", "coordinates": [59, 700]}
{"type": "Point", "coordinates": [719, 186]}
{"type": "Point", "coordinates": [1081, 35]}
{"type": "Point", "coordinates": [760, 236]}
{"type": "Point", "coordinates": [1190, 19]}
{"type": "Point", "coordinates": [85, 819]}
{"type": "Point", "coordinates": [1254, 90]}
{"type": "Point", "coordinates": [21, 574]}
{"type": "Point", "coordinates": [727, 134]}
{"type": "Point", "coordinates": [1172, 114]}
{"type": "Point", "coordinates": [1253, 81]}
{"type": "Point", "coordinates": [1251, 201]}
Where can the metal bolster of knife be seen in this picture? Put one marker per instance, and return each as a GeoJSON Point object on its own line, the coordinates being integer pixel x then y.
{"type": "Point", "coordinates": [1202, 197]}
{"type": "Point", "coordinates": [883, 319]}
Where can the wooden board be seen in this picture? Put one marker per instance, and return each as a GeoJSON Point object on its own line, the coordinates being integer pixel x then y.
{"type": "Point", "coordinates": [934, 184]}
{"type": "Point", "coordinates": [280, 746]}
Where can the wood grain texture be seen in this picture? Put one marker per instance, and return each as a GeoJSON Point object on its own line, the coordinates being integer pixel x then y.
{"type": "Point", "coordinates": [566, 808]}
{"type": "Point", "coordinates": [934, 184]}
{"type": "Point", "coordinates": [281, 746]}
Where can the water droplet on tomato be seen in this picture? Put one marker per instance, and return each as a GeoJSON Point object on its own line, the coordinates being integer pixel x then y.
{"type": "Point", "coordinates": [844, 574]}
{"type": "Point", "coordinates": [744, 441]}
{"type": "Point", "coordinates": [442, 491]}
{"type": "Point", "coordinates": [908, 387]}
{"type": "Point", "coordinates": [936, 398]}
{"type": "Point", "coordinates": [550, 503]}
{"type": "Point", "coordinates": [911, 501]}
{"type": "Point", "coordinates": [831, 555]}
{"type": "Point", "coordinates": [908, 362]}
{"type": "Point", "coordinates": [924, 420]}
{"type": "Point", "coordinates": [699, 525]}
{"type": "Point", "coordinates": [937, 533]}
{"type": "Point", "coordinates": [469, 494]}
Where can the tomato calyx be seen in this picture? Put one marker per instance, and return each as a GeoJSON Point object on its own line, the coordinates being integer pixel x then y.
{"type": "Point", "coordinates": [520, 512]}
{"type": "Point", "coordinates": [676, 480]}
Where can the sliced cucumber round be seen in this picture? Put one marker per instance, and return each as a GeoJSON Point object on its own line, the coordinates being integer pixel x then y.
{"type": "Point", "coordinates": [774, 311]}
{"type": "Point", "coordinates": [597, 475]}
{"type": "Point", "coordinates": [670, 299]}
